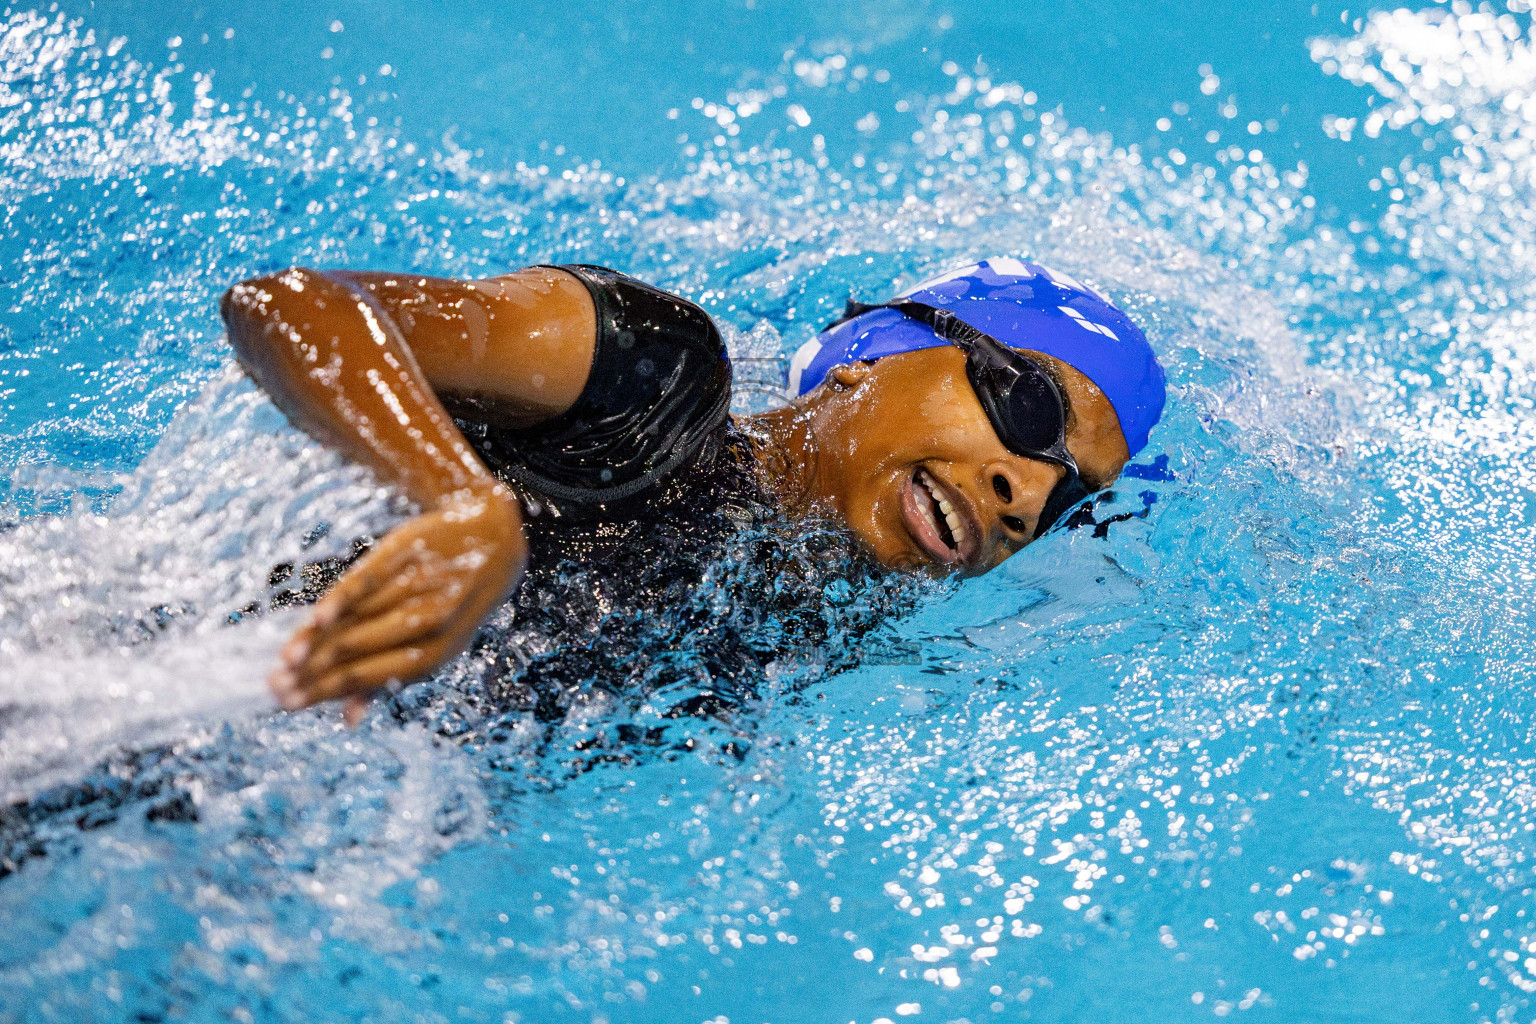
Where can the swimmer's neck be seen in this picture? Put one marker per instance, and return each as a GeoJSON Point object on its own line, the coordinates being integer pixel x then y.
{"type": "Point", "coordinates": [784, 447]}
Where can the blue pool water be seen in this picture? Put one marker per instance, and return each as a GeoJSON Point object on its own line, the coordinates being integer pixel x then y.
{"type": "Point", "coordinates": [1265, 752]}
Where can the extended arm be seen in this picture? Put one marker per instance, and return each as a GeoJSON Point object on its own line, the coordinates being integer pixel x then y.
{"type": "Point", "coordinates": [364, 362]}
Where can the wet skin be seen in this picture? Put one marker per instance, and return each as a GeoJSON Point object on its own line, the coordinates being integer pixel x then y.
{"type": "Point", "coordinates": [373, 364]}
{"type": "Point", "coordinates": [881, 443]}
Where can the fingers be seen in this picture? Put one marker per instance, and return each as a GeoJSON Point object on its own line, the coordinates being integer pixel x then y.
{"type": "Point", "coordinates": [416, 617]}
{"type": "Point", "coordinates": [377, 588]}
{"type": "Point", "coordinates": [352, 658]}
{"type": "Point", "coordinates": [385, 568]}
{"type": "Point", "coordinates": [409, 582]}
{"type": "Point", "coordinates": [361, 677]}
{"type": "Point", "coordinates": [405, 608]}
{"type": "Point", "coordinates": [356, 678]}
{"type": "Point", "coordinates": [405, 575]}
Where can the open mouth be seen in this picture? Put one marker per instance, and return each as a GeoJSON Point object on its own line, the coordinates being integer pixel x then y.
{"type": "Point", "coordinates": [936, 519]}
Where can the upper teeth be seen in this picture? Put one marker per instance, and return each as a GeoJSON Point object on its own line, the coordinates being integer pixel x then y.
{"type": "Point", "coordinates": [950, 516]}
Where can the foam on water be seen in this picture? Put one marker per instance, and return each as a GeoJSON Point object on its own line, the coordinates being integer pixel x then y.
{"type": "Point", "coordinates": [1266, 747]}
{"type": "Point", "coordinates": [115, 627]}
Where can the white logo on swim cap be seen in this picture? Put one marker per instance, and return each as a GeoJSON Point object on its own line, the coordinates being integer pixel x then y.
{"type": "Point", "coordinates": [1088, 325]}
{"type": "Point", "coordinates": [1007, 266]}
{"type": "Point", "coordinates": [934, 282]}
{"type": "Point", "coordinates": [1067, 280]}
{"type": "Point", "coordinates": [801, 359]}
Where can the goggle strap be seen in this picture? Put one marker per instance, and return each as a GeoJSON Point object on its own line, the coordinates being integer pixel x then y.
{"type": "Point", "coordinates": [948, 326]}
{"type": "Point", "coordinates": [944, 323]}
{"type": "Point", "coordinates": [855, 308]}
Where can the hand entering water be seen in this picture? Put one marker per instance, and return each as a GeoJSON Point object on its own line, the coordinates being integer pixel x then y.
{"type": "Point", "coordinates": [412, 603]}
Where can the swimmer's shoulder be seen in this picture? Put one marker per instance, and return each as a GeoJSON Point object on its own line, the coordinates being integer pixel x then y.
{"type": "Point", "coordinates": [632, 312]}
{"type": "Point", "coordinates": [657, 398]}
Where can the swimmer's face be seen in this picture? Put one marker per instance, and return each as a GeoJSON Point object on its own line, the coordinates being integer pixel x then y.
{"type": "Point", "coordinates": [907, 456]}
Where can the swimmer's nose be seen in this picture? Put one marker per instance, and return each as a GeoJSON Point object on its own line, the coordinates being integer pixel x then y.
{"type": "Point", "coordinates": [1020, 497]}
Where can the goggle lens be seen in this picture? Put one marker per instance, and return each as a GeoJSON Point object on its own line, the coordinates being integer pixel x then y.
{"type": "Point", "coordinates": [1024, 409]}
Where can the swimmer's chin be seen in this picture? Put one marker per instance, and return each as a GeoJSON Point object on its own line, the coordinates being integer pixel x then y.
{"type": "Point", "coordinates": [894, 550]}
{"type": "Point", "coordinates": [917, 562]}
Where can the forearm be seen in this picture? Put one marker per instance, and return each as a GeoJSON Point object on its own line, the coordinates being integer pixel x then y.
{"type": "Point", "coordinates": [334, 360]}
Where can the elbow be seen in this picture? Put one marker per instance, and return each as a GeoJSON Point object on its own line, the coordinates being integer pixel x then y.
{"type": "Point", "coordinates": [242, 322]}
{"type": "Point", "coordinates": [242, 327]}
{"type": "Point", "coordinates": [253, 307]}
{"type": "Point", "coordinates": [229, 304]}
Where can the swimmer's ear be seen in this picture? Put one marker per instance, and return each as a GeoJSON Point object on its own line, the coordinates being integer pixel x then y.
{"type": "Point", "coordinates": [849, 376]}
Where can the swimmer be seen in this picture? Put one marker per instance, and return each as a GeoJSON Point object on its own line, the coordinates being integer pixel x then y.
{"type": "Point", "coordinates": [945, 429]}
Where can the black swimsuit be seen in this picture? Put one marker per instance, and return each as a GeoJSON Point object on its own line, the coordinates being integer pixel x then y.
{"type": "Point", "coordinates": [657, 401]}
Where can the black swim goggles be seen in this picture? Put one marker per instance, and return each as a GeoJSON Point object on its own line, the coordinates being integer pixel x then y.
{"type": "Point", "coordinates": [1023, 403]}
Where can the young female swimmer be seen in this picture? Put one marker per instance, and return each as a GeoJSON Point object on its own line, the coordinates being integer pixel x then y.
{"type": "Point", "coordinates": [946, 428]}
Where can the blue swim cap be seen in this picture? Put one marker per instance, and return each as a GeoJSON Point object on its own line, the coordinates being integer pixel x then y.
{"type": "Point", "coordinates": [1023, 305]}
